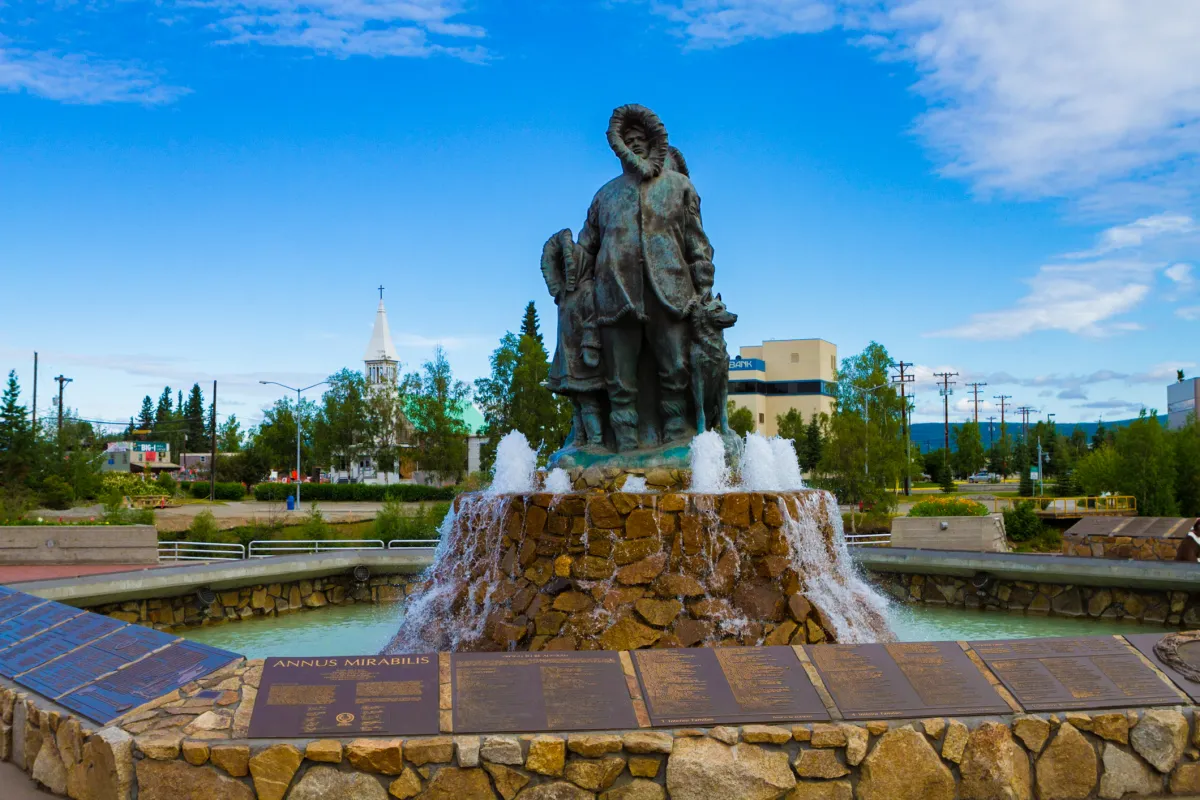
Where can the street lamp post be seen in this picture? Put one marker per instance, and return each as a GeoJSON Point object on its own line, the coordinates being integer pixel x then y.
{"type": "Point", "coordinates": [297, 415]}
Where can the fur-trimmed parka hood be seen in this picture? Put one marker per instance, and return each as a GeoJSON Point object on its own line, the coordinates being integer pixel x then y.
{"type": "Point", "coordinates": [656, 140]}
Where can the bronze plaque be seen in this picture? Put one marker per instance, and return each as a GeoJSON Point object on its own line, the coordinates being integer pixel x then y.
{"type": "Point", "coordinates": [1145, 642]}
{"type": "Point", "coordinates": [706, 686]}
{"type": "Point", "coordinates": [544, 691]}
{"type": "Point", "coordinates": [877, 681]}
{"type": "Point", "coordinates": [373, 695]}
{"type": "Point", "coordinates": [1074, 673]}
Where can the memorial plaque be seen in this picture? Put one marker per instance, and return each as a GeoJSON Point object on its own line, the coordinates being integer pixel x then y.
{"type": "Point", "coordinates": [51, 644]}
{"type": "Point", "coordinates": [1145, 642]}
{"type": "Point", "coordinates": [35, 620]}
{"type": "Point", "coordinates": [16, 603]}
{"type": "Point", "coordinates": [729, 685]}
{"type": "Point", "coordinates": [372, 695]}
{"type": "Point", "coordinates": [877, 681]}
{"type": "Point", "coordinates": [94, 660]}
{"type": "Point", "coordinates": [107, 698]}
{"type": "Point", "coordinates": [544, 691]}
{"type": "Point", "coordinates": [1074, 673]}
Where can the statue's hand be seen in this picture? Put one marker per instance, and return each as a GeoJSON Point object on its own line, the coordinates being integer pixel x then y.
{"type": "Point", "coordinates": [591, 357]}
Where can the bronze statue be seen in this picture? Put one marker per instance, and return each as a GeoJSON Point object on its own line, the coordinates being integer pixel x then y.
{"type": "Point", "coordinates": [642, 266]}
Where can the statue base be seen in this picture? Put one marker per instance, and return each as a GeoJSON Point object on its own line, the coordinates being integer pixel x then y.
{"type": "Point", "coordinates": [672, 455]}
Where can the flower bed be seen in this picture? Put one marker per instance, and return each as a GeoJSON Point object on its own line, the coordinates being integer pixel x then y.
{"type": "Point", "coordinates": [948, 507]}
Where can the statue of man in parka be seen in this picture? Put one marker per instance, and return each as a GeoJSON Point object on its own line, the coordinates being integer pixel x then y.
{"type": "Point", "coordinates": [652, 263]}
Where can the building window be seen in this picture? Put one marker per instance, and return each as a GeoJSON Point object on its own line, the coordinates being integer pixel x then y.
{"type": "Point", "coordinates": [795, 358]}
{"type": "Point", "coordinates": [762, 418]}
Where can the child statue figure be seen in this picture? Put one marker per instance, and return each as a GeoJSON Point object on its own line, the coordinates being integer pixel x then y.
{"type": "Point", "coordinates": [576, 370]}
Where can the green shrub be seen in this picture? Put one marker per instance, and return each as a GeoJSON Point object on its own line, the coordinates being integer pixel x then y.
{"type": "Point", "coordinates": [204, 528]}
{"type": "Point", "coordinates": [948, 484]}
{"type": "Point", "coordinates": [166, 483]}
{"type": "Point", "coordinates": [393, 523]}
{"type": "Point", "coordinates": [1022, 524]}
{"type": "Point", "coordinates": [223, 490]}
{"type": "Point", "coordinates": [314, 525]}
{"type": "Point", "coordinates": [362, 492]}
{"type": "Point", "coordinates": [948, 507]}
{"type": "Point", "coordinates": [57, 493]}
{"type": "Point", "coordinates": [870, 522]}
{"type": "Point", "coordinates": [1025, 487]}
{"type": "Point", "coordinates": [127, 484]}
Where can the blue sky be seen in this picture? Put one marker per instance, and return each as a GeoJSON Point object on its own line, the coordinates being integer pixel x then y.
{"type": "Point", "coordinates": [213, 188]}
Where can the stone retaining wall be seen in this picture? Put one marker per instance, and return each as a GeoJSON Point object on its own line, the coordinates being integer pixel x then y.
{"type": "Point", "coordinates": [1063, 600]}
{"type": "Point", "coordinates": [1121, 547]}
{"type": "Point", "coordinates": [191, 744]}
{"type": "Point", "coordinates": [260, 600]}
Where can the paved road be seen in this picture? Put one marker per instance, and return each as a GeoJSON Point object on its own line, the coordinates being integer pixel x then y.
{"type": "Point", "coordinates": [17, 785]}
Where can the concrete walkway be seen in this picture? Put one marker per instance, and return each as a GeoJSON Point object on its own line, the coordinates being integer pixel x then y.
{"type": "Point", "coordinates": [243, 512]}
{"type": "Point", "coordinates": [16, 785]}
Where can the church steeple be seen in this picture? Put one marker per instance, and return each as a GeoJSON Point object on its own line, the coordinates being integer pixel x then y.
{"type": "Point", "coordinates": [381, 359]}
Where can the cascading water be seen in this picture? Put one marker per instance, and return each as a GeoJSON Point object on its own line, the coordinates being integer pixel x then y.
{"type": "Point", "coordinates": [710, 473]}
{"type": "Point", "coordinates": [558, 482]}
{"type": "Point", "coordinates": [459, 596]}
{"type": "Point", "coordinates": [787, 465]}
{"type": "Point", "coordinates": [857, 611]}
{"type": "Point", "coordinates": [635, 484]}
{"type": "Point", "coordinates": [516, 463]}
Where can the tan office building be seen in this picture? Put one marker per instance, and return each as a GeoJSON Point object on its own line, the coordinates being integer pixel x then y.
{"type": "Point", "coordinates": [776, 376]}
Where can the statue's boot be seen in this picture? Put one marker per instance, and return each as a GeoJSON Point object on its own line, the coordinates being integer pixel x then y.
{"type": "Point", "coordinates": [675, 427]}
{"type": "Point", "coordinates": [593, 427]}
{"type": "Point", "coordinates": [624, 421]}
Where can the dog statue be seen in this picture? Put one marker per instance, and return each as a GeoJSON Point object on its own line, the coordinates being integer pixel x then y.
{"type": "Point", "coordinates": [1189, 550]}
{"type": "Point", "coordinates": [710, 362]}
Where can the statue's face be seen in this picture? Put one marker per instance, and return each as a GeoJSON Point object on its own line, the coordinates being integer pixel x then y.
{"type": "Point", "coordinates": [636, 140]}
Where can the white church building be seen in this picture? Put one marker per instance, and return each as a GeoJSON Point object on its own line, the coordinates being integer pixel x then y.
{"type": "Point", "coordinates": [381, 368]}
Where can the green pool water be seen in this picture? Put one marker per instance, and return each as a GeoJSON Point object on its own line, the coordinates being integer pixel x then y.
{"type": "Point", "coordinates": [364, 629]}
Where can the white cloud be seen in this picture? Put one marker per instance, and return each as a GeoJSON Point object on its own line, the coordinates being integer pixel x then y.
{"type": "Point", "coordinates": [1138, 233]}
{"type": "Point", "coordinates": [344, 28]}
{"type": "Point", "coordinates": [1037, 98]}
{"type": "Point", "coordinates": [78, 78]}
{"type": "Point", "coordinates": [1188, 312]}
{"type": "Point", "coordinates": [720, 23]}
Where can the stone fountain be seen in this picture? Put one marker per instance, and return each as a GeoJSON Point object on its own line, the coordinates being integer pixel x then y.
{"type": "Point", "coordinates": [645, 541]}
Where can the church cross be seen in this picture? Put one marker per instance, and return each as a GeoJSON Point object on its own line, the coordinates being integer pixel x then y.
{"type": "Point", "coordinates": [381, 291]}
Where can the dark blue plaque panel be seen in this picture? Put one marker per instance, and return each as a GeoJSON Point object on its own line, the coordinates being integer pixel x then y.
{"type": "Point", "coordinates": [98, 658]}
{"type": "Point", "coordinates": [157, 674]}
{"type": "Point", "coordinates": [17, 603]}
{"type": "Point", "coordinates": [34, 621]}
{"type": "Point", "coordinates": [55, 642]}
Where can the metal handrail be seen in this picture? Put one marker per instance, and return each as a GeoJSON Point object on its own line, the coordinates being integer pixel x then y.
{"type": "Point", "coordinates": [404, 544]}
{"type": "Point", "coordinates": [201, 551]}
{"type": "Point", "coordinates": [284, 547]}
{"type": "Point", "coordinates": [868, 538]}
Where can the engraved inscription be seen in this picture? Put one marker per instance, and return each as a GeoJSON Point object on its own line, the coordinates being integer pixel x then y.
{"type": "Point", "coordinates": [384, 695]}
{"type": "Point", "coordinates": [1145, 642]}
{"type": "Point", "coordinates": [702, 686]}
{"type": "Point", "coordinates": [1074, 673]}
{"type": "Point", "coordinates": [496, 692]}
{"type": "Point", "coordinates": [900, 680]}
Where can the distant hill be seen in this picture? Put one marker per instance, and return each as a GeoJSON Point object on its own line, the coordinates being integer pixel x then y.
{"type": "Point", "coordinates": [930, 435]}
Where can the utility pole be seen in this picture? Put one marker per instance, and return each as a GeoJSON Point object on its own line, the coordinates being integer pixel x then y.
{"type": "Point", "coordinates": [61, 383]}
{"type": "Point", "coordinates": [212, 464]}
{"type": "Point", "coordinates": [1024, 411]}
{"type": "Point", "coordinates": [975, 387]}
{"type": "Point", "coordinates": [902, 379]}
{"type": "Point", "coordinates": [1003, 405]}
{"type": "Point", "coordinates": [991, 432]}
{"type": "Point", "coordinates": [946, 392]}
{"type": "Point", "coordinates": [35, 394]}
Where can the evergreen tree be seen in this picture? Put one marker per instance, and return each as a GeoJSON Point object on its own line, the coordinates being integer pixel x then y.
{"type": "Point", "coordinates": [229, 435]}
{"type": "Point", "coordinates": [791, 426]}
{"type": "Point", "coordinates": [194, 423]}
{"type": "Point", "coordinates": [494, 397]}
{"type": "Point", "coordinates": [1187, 467]}
{"type": "Point", "coordinates": [1146, 466]}
{"type": "Point", "coordinates": [341, 426]}
{"type": "Point", "coordinates": [969, 457]}
{"type": "Point", "coordinates": [434, 404]}
{"type": "Point", "coordinates": [16, 435]}
{"type": "Point", "coordinates": [1025, 488]}
{"type": "Point", "coordinates": [542, 416]}
{"type": "Point", "coordinates": [1100, 436]}
{"type": "Point", "coordinates": [814, 444]}
{"type": "Point", "coordinates": [163, 413]}
{"type": "Point", "coordinates": [529, 325]}
{"type": "Point", "coordinates": [145, 419]}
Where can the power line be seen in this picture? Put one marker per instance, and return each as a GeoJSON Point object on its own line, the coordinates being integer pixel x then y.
{"type": "Point", "coordinates": [905, 378]}
{"type": "Point", "coordinates": [946, 392]}
{"type": "Point", "coordinates": [1003, 405]}
{"type": "Point", "coordinates": [1025, 411]}
{"type": "Point", "coordinates": [975, 387]}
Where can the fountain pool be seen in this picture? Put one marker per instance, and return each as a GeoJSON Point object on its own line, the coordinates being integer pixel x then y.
{"type": "Point", "coordinates": [365, 629]}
